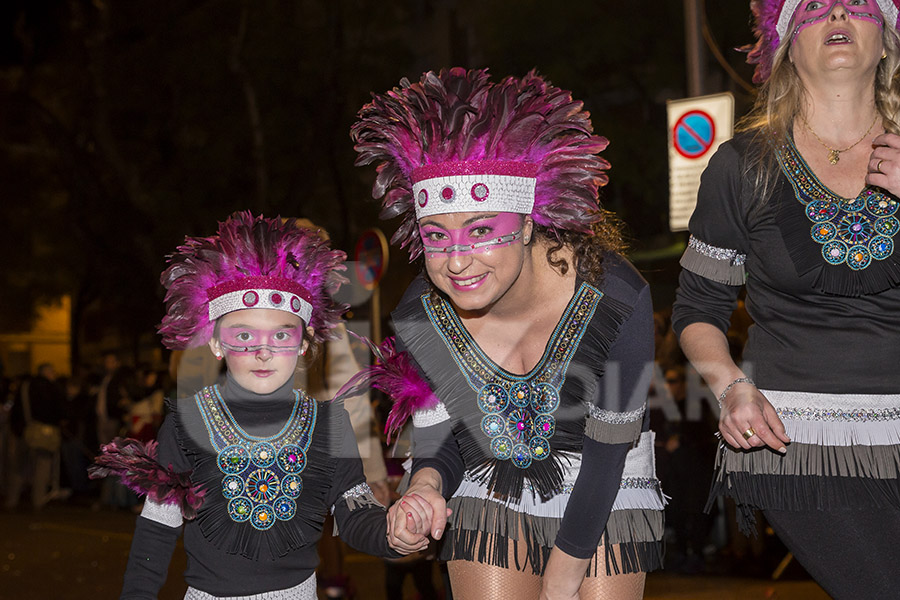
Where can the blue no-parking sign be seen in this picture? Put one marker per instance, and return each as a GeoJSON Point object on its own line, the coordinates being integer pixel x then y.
{"type": "Point", "coordinates": [696, 128]}
{"type": "Point", "coordinates": [694, 134]}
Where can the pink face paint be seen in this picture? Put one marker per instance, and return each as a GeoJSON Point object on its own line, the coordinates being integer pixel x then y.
{"type": "Point", "coordinates": [246, 339]}
{"type": "Point", "coordinates": [481, 235]}
{"type": "Point", "coordinates": [811, 12]}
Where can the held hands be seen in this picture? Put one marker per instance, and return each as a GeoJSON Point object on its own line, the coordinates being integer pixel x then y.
{"type": "Point", "coordinates": [748, 420]}
{"type": "Point", "coordinates": [884, 163]}
{"type": "Point", "coordinates": [421, 512]}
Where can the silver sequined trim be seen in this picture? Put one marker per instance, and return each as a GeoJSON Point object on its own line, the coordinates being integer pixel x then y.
{"type": "Point", "coordinates": [615, 418]}
{"type": "Point", "coordinates": [303, 591]}
{"type": "Point", "coordinates": [644, 483]}
{"type": "Point", "coordinates": [357, 490]}
{"type": "Point", "coordinates": [164, 514]}
{"type": "Point", "coordinates": [836, 414]}
{"type": "Point", "coordinates": [717, 253]}
{"type": "Point", "coordinates": [431, 416]}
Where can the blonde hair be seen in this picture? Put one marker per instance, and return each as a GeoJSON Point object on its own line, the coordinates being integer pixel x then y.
{"type": "Point", "coordinates": [779, 101]}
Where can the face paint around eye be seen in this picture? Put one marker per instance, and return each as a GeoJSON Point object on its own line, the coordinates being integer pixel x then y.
{"type": "Point", "coordinates": [812, 12]}
{"type": "Point", "coordinates": [245, 339]}
{"type": "Point", "coordinates": [482, 235]}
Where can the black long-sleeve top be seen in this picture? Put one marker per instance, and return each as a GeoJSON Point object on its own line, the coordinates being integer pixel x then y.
{"type": "Point", "coordinates": [807, 336]}
{"type": "Point", "coordinates": [226, 558]}
{"type": "Point", "coordinates": [622, 388]}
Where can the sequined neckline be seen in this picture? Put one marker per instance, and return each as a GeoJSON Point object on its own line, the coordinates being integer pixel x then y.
{"type": "Point", "coordinates": [472, 344]}
{"type": "Point", "coordinates": [517, 410]}
{"type": "Point", "coordinates": [262, 474]}
{"type": "Point", "coordinates": [853, 231]}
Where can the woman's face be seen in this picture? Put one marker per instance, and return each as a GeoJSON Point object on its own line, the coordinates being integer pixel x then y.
{"type": "Point", "coordinates": [836, 34]}
{"type": "Point", "coordinates": [261, 347]}
{"type": "Point", "coordinates": [475, 257]}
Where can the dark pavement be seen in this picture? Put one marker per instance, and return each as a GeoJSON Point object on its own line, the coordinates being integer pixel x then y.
{"type": "Point", "coordinates": [72, 552]}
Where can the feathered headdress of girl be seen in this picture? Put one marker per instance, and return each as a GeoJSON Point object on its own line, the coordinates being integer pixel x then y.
{"type": "Point", "coordinates": [251, 262]}
{"type": "Point", "coordinates": [456, 142]}
{"type": "Point", "coordinates": [772, 22]}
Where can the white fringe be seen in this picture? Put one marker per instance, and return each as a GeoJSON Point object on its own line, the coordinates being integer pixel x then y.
{"type": "Point", "coordinates": [836, 430]}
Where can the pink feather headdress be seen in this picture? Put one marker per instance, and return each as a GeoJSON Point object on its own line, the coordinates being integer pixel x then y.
{"type": "Point", "coordinates": [772, 20]}
{"type": "Point", "coordinates": [524, 133]}
{"type": "Point", "coordinates": [251, 262]}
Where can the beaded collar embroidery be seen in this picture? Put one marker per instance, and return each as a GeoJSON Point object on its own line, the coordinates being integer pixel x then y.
{"type": "Point", "coordinates": [262, 474]}
{"type": "Point", "coordinates": [852, 231]}
{"type": "Point", "coordinates": [518, 409]}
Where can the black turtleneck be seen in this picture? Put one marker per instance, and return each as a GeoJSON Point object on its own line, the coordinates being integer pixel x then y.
{"type": "Point", "coordinates": [334, 468]}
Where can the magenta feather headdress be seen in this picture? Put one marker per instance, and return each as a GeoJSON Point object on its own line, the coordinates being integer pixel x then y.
{"type": "Point", "coordinates": [134, 463]}
{"type": "Point", "coordinates": [518, 133]}
{"type": "Point", "coordinates": [772, 19]}
{"type": "Point", "coordinates": [251, 262]}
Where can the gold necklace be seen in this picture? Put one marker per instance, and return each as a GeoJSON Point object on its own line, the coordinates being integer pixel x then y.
{"type": "Point", "coordinates": [834, 155]}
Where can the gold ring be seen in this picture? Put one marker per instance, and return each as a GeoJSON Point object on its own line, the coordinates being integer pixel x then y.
{"type": "Point", "coordinates": [749, 433]}
{"type": "Point", "coordinates": [878, 166]}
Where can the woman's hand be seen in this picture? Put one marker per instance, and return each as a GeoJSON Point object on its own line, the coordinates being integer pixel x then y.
{"type": "Point", "coordinates": [884, 163]}
{"type": "Point", "coordinates": [744, 409]}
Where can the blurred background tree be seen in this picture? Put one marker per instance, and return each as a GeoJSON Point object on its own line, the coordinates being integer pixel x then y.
{"type": "Point", "coordinates": [127, 124]}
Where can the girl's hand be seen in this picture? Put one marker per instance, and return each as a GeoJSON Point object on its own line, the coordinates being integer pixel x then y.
{"type": "Point", "coordinates": [748, 420]}
{"type": "Point", "coordinates": [884, 163]}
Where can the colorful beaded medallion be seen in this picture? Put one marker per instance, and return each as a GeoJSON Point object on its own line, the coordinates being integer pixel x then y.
{"type": "Point", "coordinates": [262, 475]}
{"type": "Point", "coordinates": [852, 231]}
{"type": "Point", "coordinates": [518, 410]}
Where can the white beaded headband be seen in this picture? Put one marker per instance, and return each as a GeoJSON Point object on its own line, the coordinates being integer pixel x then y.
{"type": "Point", "coordinates": [275, 293]}
{"type": "Point", "coordinates": [474, 186]}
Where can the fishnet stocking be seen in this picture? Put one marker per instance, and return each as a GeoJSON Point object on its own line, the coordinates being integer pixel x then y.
{"type": "Point", "coordinates": [478, 581]}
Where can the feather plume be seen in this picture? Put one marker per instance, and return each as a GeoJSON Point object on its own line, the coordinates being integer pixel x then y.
{"type": "Point", "coordinates": [248, 246]}
{"type": "Point", "coordinates": [459, 115]}
{"type": "Point", "coordinates": [134, 463]}
{"type": "Point", "coordinates": [395, 374]}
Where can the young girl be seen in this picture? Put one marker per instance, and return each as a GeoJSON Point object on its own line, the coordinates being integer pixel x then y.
{"type": "Point", "coordinates": [251, 465]}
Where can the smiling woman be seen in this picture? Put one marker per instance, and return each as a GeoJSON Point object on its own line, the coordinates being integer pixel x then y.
{"type": "Point", "coordinates": [503, 347]}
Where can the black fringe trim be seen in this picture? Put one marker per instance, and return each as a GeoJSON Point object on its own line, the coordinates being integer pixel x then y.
{"type": "Point", "coordinates": [801, 493]}
{"type": "Point", "coordinates": [620, 558]}
{"type": "Point", "coordinates": [503, 478]}
{"type": "Point", "coordinates": [806, 253]}
{"type": "Point", "coordinates": [303, 530]}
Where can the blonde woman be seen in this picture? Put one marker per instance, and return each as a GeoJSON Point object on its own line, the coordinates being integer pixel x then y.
{"type": "Point", "coordinates": [788, 209]}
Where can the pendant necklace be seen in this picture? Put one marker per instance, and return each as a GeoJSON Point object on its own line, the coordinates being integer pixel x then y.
{"type": "Point", "coordinates": [834, 155]}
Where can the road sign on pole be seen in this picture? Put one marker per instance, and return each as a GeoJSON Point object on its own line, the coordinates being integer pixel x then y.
{"type": "Point", "coordinates": [371, 261]}
{"type": "Point", "coordinates": [696, 128]}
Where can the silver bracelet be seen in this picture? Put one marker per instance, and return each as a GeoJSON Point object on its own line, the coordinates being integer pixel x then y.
{"type": "Point", "coordinates": [731, 385]}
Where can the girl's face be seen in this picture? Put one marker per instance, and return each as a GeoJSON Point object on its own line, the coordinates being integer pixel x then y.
{"type": "Point", "coordinates": [261, 347]}
{"type": "Point", "coordinates": [474, 258]}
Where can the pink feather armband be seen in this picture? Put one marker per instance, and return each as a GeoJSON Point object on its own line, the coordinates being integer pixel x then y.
{"type": "Point", "coordinates": [395, 374]}
{"type": "Point", "coordinates": [135, 464]}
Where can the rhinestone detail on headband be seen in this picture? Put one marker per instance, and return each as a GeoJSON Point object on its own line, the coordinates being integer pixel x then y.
{"type": "Point", "coordinates": [259, 292]}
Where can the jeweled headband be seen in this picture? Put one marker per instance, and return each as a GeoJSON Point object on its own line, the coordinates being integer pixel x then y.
{"type": "Point", "coordinates": [474, 186]}
{"type": "Point", "coordinates": [251, 262]}
{"type": "Point", "coordinates": [276, 293]}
